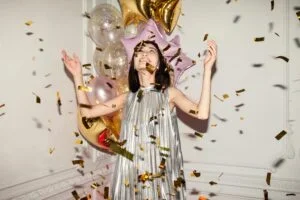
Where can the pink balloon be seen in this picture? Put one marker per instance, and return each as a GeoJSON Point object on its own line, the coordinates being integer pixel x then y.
{"type": "Point", "coordinates": [180, 63]}
{"type": "Point", "coordinates": [103, 89]}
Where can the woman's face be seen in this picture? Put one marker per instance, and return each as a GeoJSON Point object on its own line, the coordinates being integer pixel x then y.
{"type": "Point", "coordinates": [146, 54]}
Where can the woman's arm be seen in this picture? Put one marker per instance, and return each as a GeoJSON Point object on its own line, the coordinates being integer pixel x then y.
{"type": "Point", "coordinates": [105, 108]}
{"type": "Point", "coordinates": [73, 65]}
{"type": "Point", "coordinates": [202, 109]}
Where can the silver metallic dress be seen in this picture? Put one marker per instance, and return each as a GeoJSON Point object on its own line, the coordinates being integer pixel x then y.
{"type": "Point", "coordinates": [152, 135]}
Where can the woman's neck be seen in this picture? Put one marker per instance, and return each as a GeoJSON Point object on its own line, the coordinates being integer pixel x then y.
{"type": "Point", "coordinates": [146, 79]}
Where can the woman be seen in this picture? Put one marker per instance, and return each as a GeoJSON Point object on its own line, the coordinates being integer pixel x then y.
{"type": "Point", "coordinates": [149, 123]}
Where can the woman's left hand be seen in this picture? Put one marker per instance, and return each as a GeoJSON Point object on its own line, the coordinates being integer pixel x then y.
{"type": "Point", "coordinates": [211, 54]}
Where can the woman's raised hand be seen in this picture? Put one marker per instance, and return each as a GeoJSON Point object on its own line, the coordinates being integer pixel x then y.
{"type": "Point", "coordinates": [211, 54]}
{"type": "Point", "coordinates": [72, 64]}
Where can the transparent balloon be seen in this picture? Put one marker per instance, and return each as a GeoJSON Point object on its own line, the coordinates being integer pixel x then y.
{"type": "Point", "coordinates": [105, 25]}
{"type": "Point", "coordinates": [113, 62]}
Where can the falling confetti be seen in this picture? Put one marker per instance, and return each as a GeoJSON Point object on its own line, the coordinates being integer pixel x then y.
{"type": "Point", "coordinates": [29, 23]}
{"type": "Point", "coordinates": [272, 5]}
{"type": "Point", "coordinates": [259, 39]}
{"type": "Point", "coordinates": [283, 58]}
{"type": "Point", "coordinates": [268, 178]}
{"type": "Point", "coordinates": [280, 135]}
{"type": "Point", "coordinates": [205, 37]}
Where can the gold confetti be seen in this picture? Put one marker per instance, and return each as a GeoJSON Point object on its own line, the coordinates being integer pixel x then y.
{"type": "Point", "coordinates": [213, 125]}
{"type": "Point", "coordinates": [106, 191]}
{"type": "Point", "coordinates": [179, 182]}
{"type": "Point", "coordinates": [195, 173]}
{"type": "Point", "coordinates": [199, 134]}
{"type": "Point", "coordinates": [218, 98]}
{"type": "Point", "coordinates": [113, 105]}
{"type": "Point", "coordinates": [76, 134]}
{"type": "Point", "coordinates": [140, 95]}
{"type": "Point", "coordinates": [99, 49]}
{"type": "Point", "coordinates": [29, 33]}
{"type": "Point", "coordinates": [266, 195]}
{"type": "Point", "coordinates": [193, 111]}
{"type": "Point", "coordinates": [116, 148]}
{"type": "Point", "coordinates": [58, 103]}
{"type": "Point", "coordinates": [84, 88]}
{"type": "Point", "coordinates": [205, 37]}
{"type": "Point", "coordinates": [37, 99]}
{"type": "Point", "coordinates": [51, 150]}
{"type": "Point", "coordinates": [126, 182]}
{"type": "Point", "coordinates": [150, 68]}
{"type": "Point", "coordinates": [259, 39]}
{"type": "Point", "coordinates": [75, 195]}
{"type": "Point", "coordinates": [175, 55]}
{"type": "Point", "coordinates": [95, 185]}
{"type": "Point", "coordinates": [87, 66]}
{"type": "Point", "coordinates": [298, 14]}
{"type": "Point", "coordinates": [78, 141]}
{"type": "Point", "coordinates": [212, 183]}
{"type": "Point", "coordinates": [79, 162]}
{"type": "Point", "coordinates": [49, 85]}
{"type": "Point", "coordinates": [166, 48]}
{"type": "Point", "coordinates": [280, 135]}
{"type": "Point", "coordinates": [225, 96]}
{"type": "Point", "coordinates": [2, 105]}
{"type": "Point", "coordinates": [162, 163]}
{"type": "Point", "coordinates": [164, 148]}
{"type": "Point", "coordinates": [29, 23]}
{"type": "Point", "coordinates": [87, 15]}
{"type": "Point", "coordinates": [272, 4]}
{"type": "Point", "coordinates": [283, 58]}
{"type": "Point", "coordinates": [239, 91]}
{"type": "Point", "coordinates": [106, 66]}
{"type": "Point", "coordinates": [268, 178]}
{"type": "Point", "coordinates": [241, 118]}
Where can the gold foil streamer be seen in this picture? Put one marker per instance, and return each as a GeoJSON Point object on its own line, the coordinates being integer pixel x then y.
{"type": "Point", "coordinates": [268, 178]}
{"type": "Point", "coordinates": [116, 148]}
{"type": "Point", "coordinates": [280, 135]}
{"type": "Point", "coordinates": [150, 68]}
{"type": "Point", "coordinates": [84, 88]}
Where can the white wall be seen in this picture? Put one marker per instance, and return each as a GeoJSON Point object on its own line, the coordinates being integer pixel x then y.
{"type": "Point", "coordinates": [241, 160]}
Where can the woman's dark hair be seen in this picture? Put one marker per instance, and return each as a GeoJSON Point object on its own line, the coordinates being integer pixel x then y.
{"type": "Point", "coordinates": [162, 76]}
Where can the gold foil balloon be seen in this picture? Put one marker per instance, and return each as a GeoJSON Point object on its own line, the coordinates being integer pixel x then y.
{"type": "Point", "coordinates": [105, 25]}
{"type": "Point", "coordinates": [131, 12]}
{"type": "Point", "coordinates": [113, 62]}
{"type": "Point", "coordinates": [164, 12]}
{"type": "Point", "coordinates": [91, 130]}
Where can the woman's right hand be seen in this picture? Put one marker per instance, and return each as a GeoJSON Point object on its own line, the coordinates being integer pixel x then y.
{"type": "Point", "coordinates": [72, 64]}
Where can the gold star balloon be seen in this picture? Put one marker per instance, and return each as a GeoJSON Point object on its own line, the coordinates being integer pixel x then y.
{"type": "Point", "coordinates": [164, 12]}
